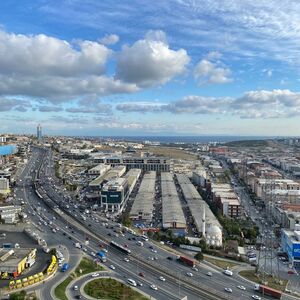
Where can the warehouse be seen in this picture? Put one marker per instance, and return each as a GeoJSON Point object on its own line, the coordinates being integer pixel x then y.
{"type": "Point", "coordinates": [97, 183]}
{"type": "Point", "coordinates": [205, 221]}
{"type": "Point", "coordinates": [172, 213]}
{"type": "Point", "coordinates": [142, 208]}
{"type": "Point", "coordinates": [14, 261]}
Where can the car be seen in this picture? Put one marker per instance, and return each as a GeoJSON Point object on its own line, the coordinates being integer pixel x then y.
{"type": "Point", "coordinates": [112, 267]}
{"type": "Point", "coordinates": [78, 296]}
{"type": "Point", "coordinates": [141, 274]}
{"type": "Point", "coordinates": [126, 259]}
{"type": "Point", "coordinates": [139, 283]}
{"type": "Point", "coordinates": [93, 254]}
{"type": "Point", "coordinates": [75, 287]}
{"type": "Point", "coordinates": [195, 269]}
{"type": "Point", "coordinates": [291, 272]}
{"type": "Point", "coordinates": [153, 287]}
{"type": "Point", "coordinates": [228, 290]}
{"type": "Point", "coordinates": [189, 274]}
{"type": "Point", "coordinates": [95, 275]}
{"type": "Point", "coordinates": [170, 258]}
{"type": "Point", "coordinates": [131, 282]}
{"type": "Point", "coordinates": [255, 297]}
{"type": "Point", "coordinates": [162, 278]}
{"type": "Point", "coordinates": [155, 257]}
{"type": "Point", "coordinates": [154, 250]}
{"type": "Point", "coordinates": [241, 287]}
{"type": "Point", "coordinates": [209, 274]}
{"type": "Point", "coordinates": [126, 246]}
{"type": "Point", "coordinates": [150, 258]}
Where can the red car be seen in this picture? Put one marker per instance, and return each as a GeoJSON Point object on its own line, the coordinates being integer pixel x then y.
{"type": "Point", "coordinates": [141, 274]}
{"type": "Point", "coordinates": [291, 272]}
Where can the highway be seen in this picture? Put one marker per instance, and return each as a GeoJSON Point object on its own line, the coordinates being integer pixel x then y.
{"type": "Point", "coordinates": [177, 284]}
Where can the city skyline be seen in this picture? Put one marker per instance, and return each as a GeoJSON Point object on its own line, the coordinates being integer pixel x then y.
{"type": "Point", "coordinates": [176, 68]}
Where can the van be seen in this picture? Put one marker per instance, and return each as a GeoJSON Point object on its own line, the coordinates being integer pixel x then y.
{"type": "Point", "coordinates": [228, 272]}
{"type": "Point", "coordinates": [131, 282]}
{"type": "Point", "coordinates": [145, 238]}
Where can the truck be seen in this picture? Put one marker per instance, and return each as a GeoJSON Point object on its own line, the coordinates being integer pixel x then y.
{"type": "Point", "coordinates": [187, 261]}
{"type": "Point", "coordinates": [267, 291]}
{"type": "Point", "coordinates": [65, 267]}
{"type": "Point", "coordinates": [102, 256]}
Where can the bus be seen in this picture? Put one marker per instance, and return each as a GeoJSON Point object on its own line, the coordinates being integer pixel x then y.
{"type": "Point", "coordinates": [120, 247]}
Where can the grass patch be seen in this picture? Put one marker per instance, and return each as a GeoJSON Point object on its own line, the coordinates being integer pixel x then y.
{"type": "Point", "coordinates": [221, 263]}
{"type": "Point", "coordinates": [107, 288]}
{"type": "Point", "coordinates": [60, 290]}
{"type": "Point", "coordinates": [273, 282]}
{"type": "Point", "coordinates": [86, 266]}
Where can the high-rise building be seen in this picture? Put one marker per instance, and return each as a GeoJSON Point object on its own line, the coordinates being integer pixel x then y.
{"type": "Point", "coordinates": [39, 132]}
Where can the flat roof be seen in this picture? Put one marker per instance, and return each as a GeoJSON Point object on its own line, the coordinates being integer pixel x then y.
{"type": "Point", "coordinates": [196, 204]}
{"type": "Point", "coordinates": [110, 174]}
{"type": "Point", "coordinates": [171, 207]}
{"type": "Point", "coordinates": [143, 202]}
{"type": "Point", "coordinates": [10, 262]}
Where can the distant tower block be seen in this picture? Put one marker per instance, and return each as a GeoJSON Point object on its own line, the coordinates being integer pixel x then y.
{"type": "Point", "coordinates": [39, 132]}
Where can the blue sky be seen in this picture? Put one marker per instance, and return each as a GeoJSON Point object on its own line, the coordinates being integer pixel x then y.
{"type": "Point", "coordinates": [174, 68]}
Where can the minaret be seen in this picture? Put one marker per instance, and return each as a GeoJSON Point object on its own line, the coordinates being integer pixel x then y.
{"type": "Point", "coordinates": [203, 220]}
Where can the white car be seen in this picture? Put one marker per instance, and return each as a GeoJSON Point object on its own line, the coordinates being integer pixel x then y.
{"type": "Point", "coordinates": [95, 275]}
{"type": "Point", "coordinates": [131, 282]}
{"type": "Point", "coordinates": [104, 250]}
{"type": "Point", "coordinates": [228, 290]}
{"type": "Point", "coordinates": [93, 254]}
{"type": "Point", "coordinates": [112, 267]}
{"type": "Point", "coordinates": [153, 287]}
{"type": "Point", "coordinates": [154, 250]}
{"type": "Point", "coordinates": [126, 259]}
{"type": "Point", "coordinates": [162, 278]}
{"type": "Point", "coordinates": [75, 287]}
{"type": "Point", "coordinates": [255, 297]}
{"type": "Point", "coordinates": [195, 269]}
{"type": "Point", "coordinates": [241, 287]}
{"type": "Point", "coordinates": [189, 274]}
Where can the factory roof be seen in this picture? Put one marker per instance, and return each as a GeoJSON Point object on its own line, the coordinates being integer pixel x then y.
{"type": "Point", "coordinates": [10, 258]}
{"type": "Point", "coordinates": [197, 206]}
{"type": "Point", "coordinates": [143, 202]}
{"type": "Point", "coordinates": [171, 206]}
{"type": "Point", "coordinates": [112, 173]}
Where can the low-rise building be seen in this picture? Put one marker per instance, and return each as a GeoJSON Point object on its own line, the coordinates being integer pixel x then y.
{"type": "Point", "coordinates": [14, 261]}
{"type": "Point", "coordinates": [9, 214]}
{"type": "Point", "coordinates": [290, 244]}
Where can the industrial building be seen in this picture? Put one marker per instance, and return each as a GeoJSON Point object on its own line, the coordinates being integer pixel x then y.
{"type": "Point", "coordinates": [205, 221]}
{"type": "Point", "coordinates": [99, 170]}
{"type": "Point", "coordinates": [9, 214]}
{"type": "Point", "coordinates": [4, 186]}
{"type": "Point", "coordinates": [115, 193]}
{"type": "Point", "coordinates": [144, 163]}
{"type": "Point", "coordinates": [290, 244]}
{"type": "Point", "coordinates": [14, 261]}
{"type": "Point", "coordinates": [172, 213]}
{"type": "Point", "coordinates": [116, 172]}
{"type": "Point", "coordinates": [142, 208]}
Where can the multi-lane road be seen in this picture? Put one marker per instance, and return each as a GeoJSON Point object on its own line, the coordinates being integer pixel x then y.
{"type": "Point", "coordinates": [74, 229]}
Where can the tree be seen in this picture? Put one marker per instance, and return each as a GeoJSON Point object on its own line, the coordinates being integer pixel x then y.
{"type": "Point", "coordinates": [199, 256]}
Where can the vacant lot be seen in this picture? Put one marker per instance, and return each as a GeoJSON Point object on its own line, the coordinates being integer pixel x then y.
{"type": "Point", "coordinates": [221, 263]}
{"type": "Point", "coordinates": [273, 282]}
{"type": "Point", "coordinates": [87, 266]}
{"type": "Point", "coordinates": [171, 152]}
{"type": "Point", "coordinates": [107, 288]}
